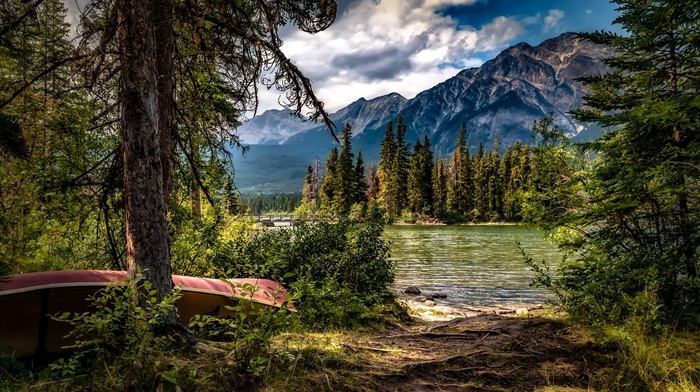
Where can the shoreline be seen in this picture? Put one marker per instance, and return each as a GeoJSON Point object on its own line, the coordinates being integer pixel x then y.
{"type": "Point", "coordinates": [400, 223]}
{"type": "Point", "coordinates": [437, 310]}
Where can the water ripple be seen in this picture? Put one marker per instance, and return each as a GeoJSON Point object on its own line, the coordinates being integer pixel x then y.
{"type": "Point", "coordinates": [473, 265]}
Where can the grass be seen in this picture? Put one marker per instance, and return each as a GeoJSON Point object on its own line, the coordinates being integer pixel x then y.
{"type": "Point", "coordinates": [546, 354]}
{"type": "Point", "coordinates": [667, 362]}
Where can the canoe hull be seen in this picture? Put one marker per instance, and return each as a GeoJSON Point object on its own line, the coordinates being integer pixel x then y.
{"type": "Point", "coordinates": [27, 300]}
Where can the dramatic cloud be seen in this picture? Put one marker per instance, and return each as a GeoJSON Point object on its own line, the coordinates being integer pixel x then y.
{"type": "Point", "coordinates": [377, 47]}
{"type": "Point", "coordinates": [552, 20]}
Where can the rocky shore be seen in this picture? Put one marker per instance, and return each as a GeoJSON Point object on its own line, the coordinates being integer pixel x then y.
{"type": "Point", "coordinates": [431, 307]}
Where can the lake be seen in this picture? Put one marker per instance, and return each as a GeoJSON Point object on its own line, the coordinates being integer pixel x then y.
{"type": "Point", "coordinates": [473, 265]}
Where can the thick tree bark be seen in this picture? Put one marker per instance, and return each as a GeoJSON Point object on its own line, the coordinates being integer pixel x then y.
{"type": "Point", "coordinates": [162, 19]}
{"type": "Point", "coordinates": [147, 243]}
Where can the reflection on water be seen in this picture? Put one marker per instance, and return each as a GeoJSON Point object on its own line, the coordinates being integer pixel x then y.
{"type": "Point", "coordinates": [473, 265]}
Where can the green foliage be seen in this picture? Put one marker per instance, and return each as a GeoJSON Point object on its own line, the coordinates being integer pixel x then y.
{"type": "Point", "coordinates": [649, 355]}
{"type": "Point", "coordinates": [393, 169]}
{"type": "Point", "coordinates": [460, 186]}
{"type": "Point", "coordinates": [116, 348]}
{"type": "Point", "coordinates": [360, 181]}
{"type": "Point", "coordinates": [630, 222]}
{"type": "Point", "coordinates": [248, 332]}
{"type": "Point", "coordinates": [261, 204]}
{"type": "Point", "coordinates": [344, 192]}
{"type": "Point", "coordinates": [330, 181]}
{"type": "Point", "coordinates": [420, 179]}
{"type": "Point", "coordinates": [115, 344]}
{"type": "Point", "coordinates": [13, 373]}
{"type": "Point", "coordinates": [327, 265]}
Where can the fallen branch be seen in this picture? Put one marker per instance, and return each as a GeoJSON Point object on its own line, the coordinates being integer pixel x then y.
{"type": "Point", "coordinates": [398, 325]}
{"type": "Point", "coordinates": [208, 349]}
{"type": "Point", "coordinates": [443, 360]}
{"type": "Point", "coordinates": [462, 334]}
{"type": "Point", "coordinates": [383, 350]}
{"type": "Point", "coordinates": [431, 329]}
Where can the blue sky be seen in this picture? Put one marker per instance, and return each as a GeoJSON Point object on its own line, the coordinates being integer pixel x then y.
{"type": "Point", "coordinates": [376, 47]}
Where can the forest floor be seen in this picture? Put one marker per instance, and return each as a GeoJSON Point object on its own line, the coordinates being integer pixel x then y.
{"type": "Point", "coordinates": [488, 352]}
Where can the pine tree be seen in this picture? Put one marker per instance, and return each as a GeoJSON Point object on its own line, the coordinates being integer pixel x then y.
{"type": "Point", "coordinates": [361, 185]}
{"type": "Point", "coordinates": [439, 188]}
{"type": "Point", "coordinates": [312, 185]}
{"type": "Point", "coordinates": [345, 190]}
{"type": "Point", "coordinates": [509, 195]}
{"type": "Point", "coordinates": [372, 182]}
{"type": "Point", "coordinates": [480, 182]}
{"type": "Point", "coordinates": [420, 179]}
{"type": "Point", "coordinates": [415, 201]}
{"type": "Point", "coordinates": [399, 174]}
{"type": "Point", "coordinates": [644, 213]}
{"type": "Point", "coordinates": [388, 146]}
{"type": "Point", "coordinates": [128, 53]}
{"type": "Point", "coordinates": [494, 190]}
{"type": "Point", "coordinates": [330, 182]}
{"type": "Point", "coordinates": [232, 198]}
{"type": "Point", "coordinates": [307, 191]}
{"type": "Point", "coordinates": [459, 194]}
{"type": "Point", "coordinates": [388, 186]}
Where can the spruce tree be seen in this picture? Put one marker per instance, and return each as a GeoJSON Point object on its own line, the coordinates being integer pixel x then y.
{"type": "Point", "coordinates": [361, 185]}
{"type": "Point", "coordinates": [420, 179]}
{"type": "Point", "coordinates": [345, 190]}
{"type": "Point", "coordinates": [494, 190]}
{"type": "Point", "coordinates": [400, 167]}
{"type": "Point", "coordinates": [415, 201]}
{"type": "Point", "coordinates": [641, 227]}
{"type": "Point", "coordinates": [330, 182]}
{"type": "Point", "coordinates": [307, 191]}
{"type": "Point", "coordinates": [459, 196]}
{"type": "Point", "coordinates": [372, 181]}
{"type": "Point", "coordinates": [388, 146]}
{"type": "Point", "coordinates": [439, 188]}
{"type": "Point", "coordinates": [480, 182]}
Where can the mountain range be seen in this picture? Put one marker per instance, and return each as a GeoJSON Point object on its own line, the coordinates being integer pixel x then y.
{"type": "Point", "coordinates": [503, 97]}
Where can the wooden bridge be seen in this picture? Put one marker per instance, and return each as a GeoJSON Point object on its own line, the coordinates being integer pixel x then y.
{"type": "Point", "coordinates": [288, 220]}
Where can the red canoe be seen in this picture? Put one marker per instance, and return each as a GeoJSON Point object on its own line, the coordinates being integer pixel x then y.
{"type": "Point", "coordinates": [26, 300]}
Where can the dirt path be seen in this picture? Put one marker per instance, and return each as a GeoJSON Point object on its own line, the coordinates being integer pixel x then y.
{"type": "Point", "coordinates": [482, 353]}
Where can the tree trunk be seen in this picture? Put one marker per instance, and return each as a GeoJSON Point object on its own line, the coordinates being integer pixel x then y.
{"type": "Point", "coordinates": [147, 243]}
{"type": "Point", "coordinates": [161, 17]}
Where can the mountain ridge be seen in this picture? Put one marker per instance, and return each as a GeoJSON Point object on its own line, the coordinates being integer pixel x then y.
{"type": "Point", "coordinates": [503, 96]}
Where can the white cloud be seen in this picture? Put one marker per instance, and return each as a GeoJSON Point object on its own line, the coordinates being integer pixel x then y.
{"type": "Point", "coordinates": [589, 11]}
{"type": "Point", "coordinates": [552, 20]}
{"type": "Point", "coordinates": [378, 47]}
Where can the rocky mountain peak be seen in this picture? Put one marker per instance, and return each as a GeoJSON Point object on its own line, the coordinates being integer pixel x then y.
{"type": "Point", "coordinates": [503, 96]}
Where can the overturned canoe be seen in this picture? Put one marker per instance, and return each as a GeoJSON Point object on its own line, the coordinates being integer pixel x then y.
{"type": "Point", "coordinates": [27, 300]}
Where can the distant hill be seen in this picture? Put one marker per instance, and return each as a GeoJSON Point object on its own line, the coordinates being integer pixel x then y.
{"type": "Point", "coordinates": [504, 96]}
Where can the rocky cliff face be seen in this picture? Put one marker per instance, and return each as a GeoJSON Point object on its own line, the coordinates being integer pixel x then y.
{"type": "Point", "coordinates": [503, 96]}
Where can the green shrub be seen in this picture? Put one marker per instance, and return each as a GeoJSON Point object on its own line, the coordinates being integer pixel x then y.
{"type": "Point", "coordinates": [115, 344]}
{"type": "Point", "coordinates": [337, 271]}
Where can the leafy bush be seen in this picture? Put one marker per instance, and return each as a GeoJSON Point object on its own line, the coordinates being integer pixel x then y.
{"type": "Point", "coordinates": [115, 343]}
{"type": "Point", "coordinates": [248, 333]}
{"type": "Point", "coordinates": [337, 271]}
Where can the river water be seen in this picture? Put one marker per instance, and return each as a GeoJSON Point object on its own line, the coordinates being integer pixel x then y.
{"type": "Point", "coordinates": [474, 265]}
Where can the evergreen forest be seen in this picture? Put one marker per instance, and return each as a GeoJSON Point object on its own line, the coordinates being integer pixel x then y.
{"type": "Point", "coordinates": [410, 184]}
